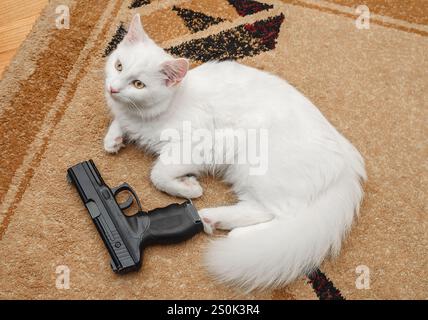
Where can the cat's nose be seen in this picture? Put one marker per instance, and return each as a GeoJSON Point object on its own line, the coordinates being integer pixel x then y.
{"type": "Point", "coordinates": [112, 90]}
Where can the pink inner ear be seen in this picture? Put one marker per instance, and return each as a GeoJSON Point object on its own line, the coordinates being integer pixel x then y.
{"type": "Point", "coordinates": [135, 33]}
{"type": "Point", "coordinates": [132, 37]}
{"type": "Point", "coordinates": [175, 70]}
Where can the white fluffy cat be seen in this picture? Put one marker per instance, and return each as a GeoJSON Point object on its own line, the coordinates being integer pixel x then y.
{"type": "Point", "coordinates": [288, 219]}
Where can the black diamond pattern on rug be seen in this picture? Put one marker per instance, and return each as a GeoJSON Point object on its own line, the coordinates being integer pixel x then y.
{"type": "Point", "coordinates": [239, 42]}
{"type": "Point", "coordinates": [248, 7]}
{"type": "Point", "coordinates": [115, 40]}
{"type": "Point", "coordinates": [196, 21]}
{"type": "Point", "coordinates": [138, 3]}
{"type": "Point", "coordinates": [324, 287]}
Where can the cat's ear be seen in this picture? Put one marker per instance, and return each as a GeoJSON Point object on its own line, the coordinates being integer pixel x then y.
{"type": "Point", "coordinates": [135, 32]}
{"type": "Point", "coordinates": [175, 70]}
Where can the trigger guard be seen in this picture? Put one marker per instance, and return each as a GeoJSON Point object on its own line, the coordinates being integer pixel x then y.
{"type": "Point", "coordinates": [128, 202]}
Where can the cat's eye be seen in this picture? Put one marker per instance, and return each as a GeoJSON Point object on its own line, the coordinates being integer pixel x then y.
{"type": "Point", "coordinates": [118, 65]}
{"type": "Point", "coordinates": [138, 84]}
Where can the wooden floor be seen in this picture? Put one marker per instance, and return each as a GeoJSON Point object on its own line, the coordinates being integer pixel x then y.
{"type": "Point", "coordinates": [16, 21]}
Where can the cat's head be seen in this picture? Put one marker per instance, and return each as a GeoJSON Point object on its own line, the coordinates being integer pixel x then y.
{"type": "Point", "coordinates": [140, 74]}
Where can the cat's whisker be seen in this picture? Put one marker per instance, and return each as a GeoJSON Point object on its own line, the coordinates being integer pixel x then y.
{"type": "Point", "coordinates": [137, 109]}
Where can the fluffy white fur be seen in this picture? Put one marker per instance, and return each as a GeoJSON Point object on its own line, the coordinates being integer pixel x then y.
{"type": "Point", "coordinates": [287, 220]}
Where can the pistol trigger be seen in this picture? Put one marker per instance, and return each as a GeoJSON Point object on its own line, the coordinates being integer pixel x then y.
{"type": "Point", "coordinates": [127, 203]}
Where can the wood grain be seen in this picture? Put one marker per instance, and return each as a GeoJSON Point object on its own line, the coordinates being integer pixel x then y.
{"type": "Point", "coordinates": [16, 21]}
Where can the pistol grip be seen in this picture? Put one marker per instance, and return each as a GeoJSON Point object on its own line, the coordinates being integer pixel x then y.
{"type": "Point", "coordinates": [174, 223]}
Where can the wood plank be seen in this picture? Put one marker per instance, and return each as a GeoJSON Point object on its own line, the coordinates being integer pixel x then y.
{"type": "Point", "coordinates": [12, 10]}
{"type": "Point", "coordinates": [16, 20]}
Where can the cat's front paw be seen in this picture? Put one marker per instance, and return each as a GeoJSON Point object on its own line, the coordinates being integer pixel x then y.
{"type": "Point", "coordinates": [184, 187]}
{"type": "Point", "coordinates": [189, 187]}
{"type": "Point", "coordinates": [113, 144]}
{"type": "Point", "coordinates": [210, 225]}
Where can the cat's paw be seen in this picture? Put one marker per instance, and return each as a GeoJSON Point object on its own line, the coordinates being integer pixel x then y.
{"type": "Point", "coordinates": [210, 225]}
{"type": "Point", "coordinates": [113, 144]}
{"type": "Point", "coordinates": [184, 187]}
{"type": "Point", "coordinates": [189, 187]}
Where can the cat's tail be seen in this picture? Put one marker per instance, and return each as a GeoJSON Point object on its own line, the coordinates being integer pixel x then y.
{"type": "Point", "coordinates": [277, 252]}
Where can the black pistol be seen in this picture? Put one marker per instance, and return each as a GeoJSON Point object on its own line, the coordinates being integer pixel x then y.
{"type": "Point", "coordinates": [126, 236]}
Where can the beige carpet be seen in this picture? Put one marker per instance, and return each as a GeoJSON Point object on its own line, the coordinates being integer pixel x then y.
{"type": "Point", "coordinates": [371, 84]}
